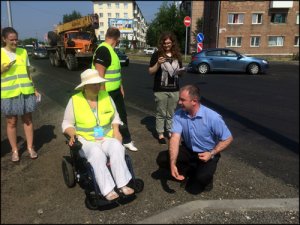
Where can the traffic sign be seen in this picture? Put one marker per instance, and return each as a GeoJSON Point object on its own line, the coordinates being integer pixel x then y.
{"type": "Point", "coordinates": [187, 21]}
{"type": "Point", "coordinates": [200, 37]}
{"type": "Point", "coordinates": [199, 46]}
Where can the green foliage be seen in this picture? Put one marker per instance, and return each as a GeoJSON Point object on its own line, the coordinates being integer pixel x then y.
{"type": "Point", "coordinates": [28, 41]}
{"type": "Point", "coordinates": [199, 29]}
{"type": "Point", "coordinates": [168, 18]}
{"type": "Point", "coordinates": [69, 17]}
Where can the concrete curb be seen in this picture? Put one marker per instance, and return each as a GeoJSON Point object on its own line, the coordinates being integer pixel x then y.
{"type": "Point", "coordinates": [241, 204]}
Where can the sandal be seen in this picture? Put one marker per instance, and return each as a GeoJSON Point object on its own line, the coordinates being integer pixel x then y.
{"type": "Point", "coordinates": [15, 156]}
{"type": "Point", "coordinates": [32, 153]}
{"type": "Point", "coordinates": [126, 191]}
{"type": "Point", "coordinates": [112, 196]}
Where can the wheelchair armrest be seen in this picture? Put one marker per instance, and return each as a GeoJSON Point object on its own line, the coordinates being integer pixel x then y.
{"type": "Point", "coordinates": [77, 145]}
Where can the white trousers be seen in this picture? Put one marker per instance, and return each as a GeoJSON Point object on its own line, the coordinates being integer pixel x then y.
{"type": "Point", "coordinates": [97, 153]}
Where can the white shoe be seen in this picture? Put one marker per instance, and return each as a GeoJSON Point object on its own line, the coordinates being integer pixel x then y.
{"type": "Point", "coordinates": [130, 146]}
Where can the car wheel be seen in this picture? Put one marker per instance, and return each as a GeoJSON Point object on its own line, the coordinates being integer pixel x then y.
{"type": "Point", "coordinates": [253, 69]}
{"type": "Point", "coordinates": [71, 62]}
{"type": "Point", "coordinates": [203, 68]}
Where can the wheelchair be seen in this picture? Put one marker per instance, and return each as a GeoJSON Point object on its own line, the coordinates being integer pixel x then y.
{"type": "Point", "coordinates": [76, 169]}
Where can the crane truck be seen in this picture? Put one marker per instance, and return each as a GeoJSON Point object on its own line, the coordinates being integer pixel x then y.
{"type": "Point", "coordinates": [73, 42]}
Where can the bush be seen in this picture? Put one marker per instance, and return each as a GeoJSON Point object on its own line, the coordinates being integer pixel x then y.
{"type": "Point", "coordinates": [295, 56]}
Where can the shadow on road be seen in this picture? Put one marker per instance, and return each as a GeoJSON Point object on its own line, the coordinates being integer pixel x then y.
{"type": "Point", "coordinates": [42, 135]}
{"type": "Point", "coordinates": [149, 122]}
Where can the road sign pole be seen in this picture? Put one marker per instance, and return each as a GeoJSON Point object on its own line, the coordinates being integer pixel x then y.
{"type": "Point", "coordinates": [185, 42]}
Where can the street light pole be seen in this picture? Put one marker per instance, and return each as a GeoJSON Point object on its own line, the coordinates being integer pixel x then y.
{"type": "Point", "coordinates": [9, 14]}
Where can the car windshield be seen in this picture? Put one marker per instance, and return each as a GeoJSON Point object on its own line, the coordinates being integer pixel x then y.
{"type": "Point", "coordinates": [80, 35]}
{"type": "Point", "coordinates": [40, 50]}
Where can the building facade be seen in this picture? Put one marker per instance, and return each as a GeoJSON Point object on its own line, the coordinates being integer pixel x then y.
{"type": "Point", "coordinates": [127, 16]}
{"type": "Point", "coordinates": [267, 28]}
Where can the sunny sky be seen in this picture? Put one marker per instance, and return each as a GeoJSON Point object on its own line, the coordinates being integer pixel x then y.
{"type": "Point", "coordinates": [35, 19]}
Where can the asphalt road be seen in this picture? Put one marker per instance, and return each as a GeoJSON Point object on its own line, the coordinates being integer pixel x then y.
{"type": "Point", "coordinates": [262, 163]}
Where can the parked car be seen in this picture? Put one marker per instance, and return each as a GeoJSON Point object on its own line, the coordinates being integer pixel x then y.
{"type": "Point", "coordinates": [124, 59]}
{"type": "Point", "coordinates": [224, 59]}
{"type": "Point", "coordinates": [39, 53]}
{"type": "Point", "coordinates": [150, 50]}
{"type": "Point", "coordinates": [29, 49]}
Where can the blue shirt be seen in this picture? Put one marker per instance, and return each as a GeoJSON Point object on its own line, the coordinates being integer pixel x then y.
{"type": "Point", "coordinates": [202, 132]}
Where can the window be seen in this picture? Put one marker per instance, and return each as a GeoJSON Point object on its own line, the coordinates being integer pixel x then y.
{"type": "Point", "coordinates": [297, 18]}
{"type": "Point", "coordinates": [235, 18]}
{"type": "Point", "coordinates": [256, 18]}
{"type": "Point", "coordinates": [126, 5]}
{"type": "Point", "coordinates": [296, 42]}
{"type": "Point", "coordinates": [109, 5]}
{"type": "Point", "coordinates": [117, 5]}
{"type": "Point", "coordinates": [100, 15]}
{"type": "Point", "coordinates": [255, 41]}
{"type": "Point", "coordinates": [213, 53]}
{"type": "Point", "coordinates": [100, 5]}
{"type": "Point", "coordinates": [101, 24]}
{"type": "Point", "coordinates": [126, 15]}
{"type": "Point", "coordinates": [275, 41]}
{"type": "Point", "coordinates": [234, 41]}
{"type": "Point", "coordinates": [228, 53]}
{"type": "Point", "coordinates": [117, 15]}
{"type": "Point", "coordinates": [278, 17]}
{"type": "Point", "coordinates": [101, 33]}
{"type": "Point", "coordinates": [109, 15]}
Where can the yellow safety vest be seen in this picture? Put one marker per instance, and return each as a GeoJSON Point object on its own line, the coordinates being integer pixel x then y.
{"type": "Point", "coordinates": [85, 119]}
{"type": "Point", "coordinates": [15, 81]}
{"type": "Point", "coordinates": [113, 72]}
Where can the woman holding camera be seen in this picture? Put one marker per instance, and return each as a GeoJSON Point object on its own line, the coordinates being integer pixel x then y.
{"type": "Point", "coordinates": [166, 67]}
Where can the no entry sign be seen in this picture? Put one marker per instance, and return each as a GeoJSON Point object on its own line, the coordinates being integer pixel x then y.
{"type": "Point", "coordinates": [187, 21]}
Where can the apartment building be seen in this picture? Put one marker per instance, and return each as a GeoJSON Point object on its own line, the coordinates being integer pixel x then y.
{"type": "Point", "coordinates": [267, 28]}
{"type": "Point", "coordinates": [127, 16]}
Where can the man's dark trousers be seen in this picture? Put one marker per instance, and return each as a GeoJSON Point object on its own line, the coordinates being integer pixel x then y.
{"type": "Point", "coordinates": [189, 165]}
{"type": "Point", "coordinates": [117, 96]}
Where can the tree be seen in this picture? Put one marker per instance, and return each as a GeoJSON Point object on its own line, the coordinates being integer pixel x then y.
{"type": "Point", "coordinates": [199, 29]}
{"type": "Point", "coordinates": [69, 17]}
{"type": "Point", "coordinates": [29, 41]}
{"type": "Point", "coordinates": [168, 18]}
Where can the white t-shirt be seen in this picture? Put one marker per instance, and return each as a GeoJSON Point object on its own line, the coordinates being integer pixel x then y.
{"type": "Point", "coordinates": [12, 56]}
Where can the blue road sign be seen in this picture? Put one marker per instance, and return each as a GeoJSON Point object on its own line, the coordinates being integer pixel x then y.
{"type": "Point", "coordinates": [200, 37]}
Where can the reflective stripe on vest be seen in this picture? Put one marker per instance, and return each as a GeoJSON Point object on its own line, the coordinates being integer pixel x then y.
{"type": "Point", "coordinates": [16, 80]}
{"type": "Point", "coordinates": [85, 119]}
{"type": "Point", "coordinates": [113, 72]}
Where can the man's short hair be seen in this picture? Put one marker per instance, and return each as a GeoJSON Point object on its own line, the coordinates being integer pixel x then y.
{"type": "Point", "coordinates": [193, 90]}
{"type": "Point", "coordinates": [113, 33]}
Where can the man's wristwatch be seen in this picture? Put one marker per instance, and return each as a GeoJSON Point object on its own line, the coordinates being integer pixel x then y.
{"type": "Point", "coordinates": [212, 154]}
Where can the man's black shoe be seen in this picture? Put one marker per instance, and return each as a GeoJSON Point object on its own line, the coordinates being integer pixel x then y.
{"type": "Point", "coordinates": [162, 141]}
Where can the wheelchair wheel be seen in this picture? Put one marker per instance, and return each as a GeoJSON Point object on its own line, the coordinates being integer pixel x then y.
{"type": "Point", "coordinates": [138, 185]}
{"type": "Point", "coordinates": [91, 203]}
{"type": "Point", "coordinates": [68, 172]}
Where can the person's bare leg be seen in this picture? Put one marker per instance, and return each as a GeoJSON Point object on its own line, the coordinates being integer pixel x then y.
{"type": "Point", "coordinates": [11, 129]}
{"type": "Point", "coordinates": [28, 129]}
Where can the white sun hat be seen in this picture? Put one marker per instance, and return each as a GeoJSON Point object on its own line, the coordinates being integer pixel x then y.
{"type": "Point", "coordinates": [90, 76]}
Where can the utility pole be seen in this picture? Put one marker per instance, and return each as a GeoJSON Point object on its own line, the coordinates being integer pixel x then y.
{"type": "Point", "coordinates": [9, 14]}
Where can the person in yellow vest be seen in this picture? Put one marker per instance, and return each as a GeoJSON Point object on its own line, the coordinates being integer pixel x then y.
{"type": "Point", "coordinates": [91, 116]}
{"type": "Point", "coordinates": [107, 62]}
{"type": "Point", "coordinates": [18, 95]}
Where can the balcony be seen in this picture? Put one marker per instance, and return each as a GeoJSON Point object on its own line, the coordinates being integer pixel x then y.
{"type": "Point", "coordinates": [281, 4]}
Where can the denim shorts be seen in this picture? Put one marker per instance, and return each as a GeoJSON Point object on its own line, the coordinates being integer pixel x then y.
{"type": "Point", "coordinates": [18, 105]}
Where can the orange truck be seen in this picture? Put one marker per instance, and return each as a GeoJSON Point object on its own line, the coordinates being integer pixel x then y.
{"type": "Point", "coordinates": [73, 42]}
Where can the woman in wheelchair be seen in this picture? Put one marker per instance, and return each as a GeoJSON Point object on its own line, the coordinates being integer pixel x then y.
{"type": "Point", "coordinates": [91, 116]}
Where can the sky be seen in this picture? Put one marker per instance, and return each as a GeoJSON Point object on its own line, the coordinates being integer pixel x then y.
{"type": "Point", "coordinates": [35, 18]}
